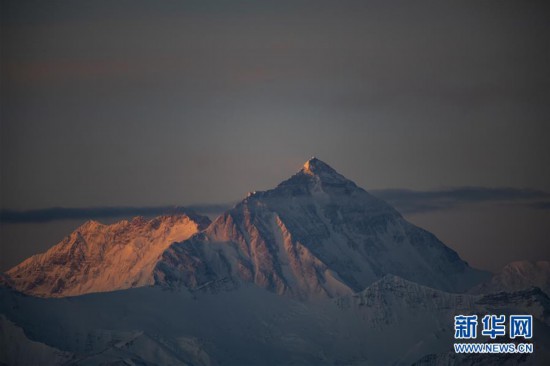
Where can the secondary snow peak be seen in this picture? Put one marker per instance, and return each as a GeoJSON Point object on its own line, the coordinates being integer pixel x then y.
{"type": "Point", "coordinates": [97, 257]}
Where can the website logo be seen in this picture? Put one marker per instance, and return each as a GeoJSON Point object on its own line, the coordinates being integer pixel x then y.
{"type": "Point", "coordinates": [492, 327]}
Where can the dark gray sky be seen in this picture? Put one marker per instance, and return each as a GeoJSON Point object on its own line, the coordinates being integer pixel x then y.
{"type": "Point", "coordinates": [140, 103]}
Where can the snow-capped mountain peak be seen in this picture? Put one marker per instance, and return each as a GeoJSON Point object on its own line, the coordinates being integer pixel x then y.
{"type": "Point", "coordinates": [316, 234]}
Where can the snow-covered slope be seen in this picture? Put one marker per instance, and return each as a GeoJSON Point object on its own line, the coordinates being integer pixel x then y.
{"type": "Point", "coordinates": [98, 257]}
{"type": "Point", "coordinates": [517, 276]}
{"type": "Point", "coordinates": [454, 359]}
{"type": "Point", "coordinates": [17, 349]}
{"type": "Point", "coordinates": [393, 321]}
{"type": "Point", "coordinates": [316, 234]}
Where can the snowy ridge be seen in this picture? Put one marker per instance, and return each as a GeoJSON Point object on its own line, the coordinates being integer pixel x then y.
{"type": "Point", "coordinates": [393, 321]}
{"type": "Point", "coordinates": [391, 292]}
{"type": "Point", "coordinates": [97, 257]}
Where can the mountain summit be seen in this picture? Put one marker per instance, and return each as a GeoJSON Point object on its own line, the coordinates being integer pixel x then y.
{"type": "Point", "coordinates": [315, 166]}
{"type": "Point", "coordinates": [314, 170]}
{"type": "Point", "coordinates": [317, 234]}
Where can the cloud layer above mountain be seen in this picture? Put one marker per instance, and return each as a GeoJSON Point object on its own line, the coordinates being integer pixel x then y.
{"type": "Point", "coordinates": [412, 202]}
{"type": "Point", "coordinates": [405, 201]}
